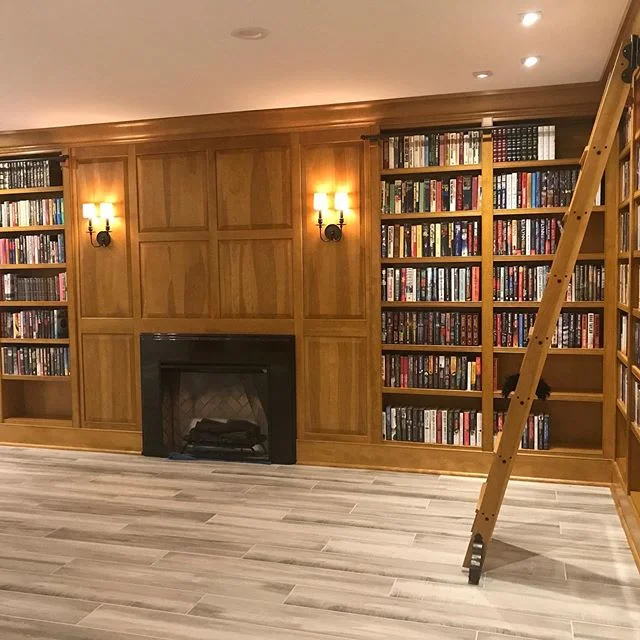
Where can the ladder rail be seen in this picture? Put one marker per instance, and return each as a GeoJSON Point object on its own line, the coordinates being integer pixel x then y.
{"type": "Point", "coordinates": [575, 223]}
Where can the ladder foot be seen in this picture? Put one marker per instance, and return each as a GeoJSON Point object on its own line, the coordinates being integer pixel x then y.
{"type": "Point", "coordinates": [477, 559]}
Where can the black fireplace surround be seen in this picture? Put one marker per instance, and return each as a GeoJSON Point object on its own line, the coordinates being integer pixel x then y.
{"type": "Point", "coordinates": [274, 354]}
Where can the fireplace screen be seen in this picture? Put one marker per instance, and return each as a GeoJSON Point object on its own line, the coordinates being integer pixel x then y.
{"type": "Point", "coordinates": [216, 412]}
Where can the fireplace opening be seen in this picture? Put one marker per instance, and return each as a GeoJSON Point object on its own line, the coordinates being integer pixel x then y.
{"type": "Point", "coordinates": [216, 412]}
{"type": "Point", "coordinates": [228, 397]}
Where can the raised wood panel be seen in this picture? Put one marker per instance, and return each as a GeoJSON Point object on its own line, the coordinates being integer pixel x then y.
{"type": "Point", "coordinates": [104, 274]}
{"type": "Point", "coordinates": [253, 188]}
{"type": "Point", "coordinates": [334, 272]}
{"type": "Point", "coordinates": [110, 378]}
{"type": "Point", "coordinates": [174, 279]}
{"type": "Point", "coordinates": [172, 191]}
{"type": "Point", "coordinates": [336, 386]}
{"type": "Point", "coordinates": [256, 278]}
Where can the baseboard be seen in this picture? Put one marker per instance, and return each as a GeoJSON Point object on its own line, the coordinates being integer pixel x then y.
{"type": "Point", "coordinates": [55, 437]}
{"type": "Point", "coordinates": [630, 519]}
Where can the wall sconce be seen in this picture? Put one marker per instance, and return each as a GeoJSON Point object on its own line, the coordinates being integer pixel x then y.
{"type": "Point", "coordinates": [92, 212]}
{"type": "Point", "coordinates": [332, 232]}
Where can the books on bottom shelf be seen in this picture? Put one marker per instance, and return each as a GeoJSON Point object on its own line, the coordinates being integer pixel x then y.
{"type": "Point", "coordinates": [623, 284]}
{"type": "Point", "coordinates": [623, 381]}
{"type": "Point", "coordinates": [536, 434]}
{"type": "Point", "coordinates": [432, 426]}
{"type": "Point", "coordinates": [35, 361]}
{"type": "Point", "coordinates": [636, 405]}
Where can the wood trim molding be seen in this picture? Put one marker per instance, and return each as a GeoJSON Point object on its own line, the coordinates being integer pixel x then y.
{"type": "Point", "coordinates": [624, 33]}
{"type": "Point", "coordinates": [571, 100]}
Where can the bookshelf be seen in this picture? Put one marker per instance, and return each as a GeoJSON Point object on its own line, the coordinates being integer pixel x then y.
{"type": "Point", "coordinates": [627, 421]}
{"type": "Point", "coordinates": [519, 200]}
{"type": "Point", "coordinates": [35, 343]}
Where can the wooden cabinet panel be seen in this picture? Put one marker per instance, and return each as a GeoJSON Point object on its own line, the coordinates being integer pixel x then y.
{"type": "Point", "coordinates": [175, 279]}
{"type": "Point", "coordinates": [256, 278]}
{"type": "Point", "coordinates": [254, 188]}
{"type": "Point", "coordinates": [172, 191]}
{"type": "Point", "coordinates": [335, 386]}
{"type": "Point", "coordinates": [110, 379]}
{"type": "Point", "coordinates": [105, 274]}
{"type": "Point", "coordinates": [334, 272]}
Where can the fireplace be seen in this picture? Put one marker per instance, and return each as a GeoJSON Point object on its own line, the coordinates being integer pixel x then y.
{"type": "Point", "coordinates": [226, 397]}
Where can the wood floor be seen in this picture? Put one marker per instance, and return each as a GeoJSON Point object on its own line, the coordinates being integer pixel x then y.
{"type": "Point", "coordinates": [109, 547]}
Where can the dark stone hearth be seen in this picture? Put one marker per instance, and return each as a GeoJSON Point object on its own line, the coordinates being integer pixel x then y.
{"type": "Point", "coordinates": [186, 378]}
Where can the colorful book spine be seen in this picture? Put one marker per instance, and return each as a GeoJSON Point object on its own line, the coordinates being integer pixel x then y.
{"type": "Point", "coordinates": [534, 189]}
{"type": "Point", "coordinates": [431, 150]}
{"type": "Point", "coordinates": [33, 249]}
{"type": "Point", "coordinates": [424, 371]}
{"type": "Point", "coordinates": [431, 239]}
{"type": "Point", "coordinates": [536, 434]}
{"type": "Point", "coordinates": [461, 193]}
{"type": "Point", "coordinates": [431, 284]}
{"type": "Point", "coordinates": [35, 361]}
{"type": "Point", "coordinates": [525, 236]}
{"type": "Point", "coordinates": [431, 328]}
{"type": "Point", "coordinates": [14, 287]}
{"type": "Point", "coordinates": [31, 213]}
{"type": "Point", "coordinates": [34, 324]}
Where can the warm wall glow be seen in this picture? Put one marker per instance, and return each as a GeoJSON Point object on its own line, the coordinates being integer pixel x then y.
{"type": "Point", "coordinates": [320, 201]}
{"type": "Point", "coordinates": [89, 210]}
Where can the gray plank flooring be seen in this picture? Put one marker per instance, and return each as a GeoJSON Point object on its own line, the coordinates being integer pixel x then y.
{"type": "Point", "coordinates": [114, 547]}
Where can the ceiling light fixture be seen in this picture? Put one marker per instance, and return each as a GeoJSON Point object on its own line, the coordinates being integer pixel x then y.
{"type": "Point", "coordinates": [530, 18]}
{"type": "Point", "coordinates": [530, 61]}
{"type": "Point", "coordinates": [481, 75]}
{"type": "Point", "coordinates": [250, 33]}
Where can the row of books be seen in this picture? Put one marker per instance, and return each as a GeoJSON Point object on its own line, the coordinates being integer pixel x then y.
{"type": "Point", "coordinates": [15, 287]}
{"type": "Point", "coordinates": [623, 230]}
{"type": "Point", "coordinates": [574, 330]}
{"type": "Point", "coordinates": [525, 283]}
{"type": "Point", "coordinates": [533, 142]}
{"type": "Point", "coordinates": [34, 323]}
{"type": "Point", "coordinates": [536, 435]}
{"type": "Point", "coordinates": [623, 324]}
{"type": "Point", "coordinates": [27, 174]}
{"type": "Point", "coordinates": [423, 371]}
{"type": "Point", "coordinates": [625, 179]}
{"type": "Point", "coordinates": [623, 283]}
{"type": "Point", "coordinates": [461, 193]}
{"type": "Point", "coordinates": [431, 327]}
{"type": "Point", "coordinates": [526, 236]}
{"type": "Point", "coordinates": [635, 415]}
{"type": "Point", "coordinates": [431, 149]}
{"type": "Point", "coordinates": [35, 361]}
{"type": "Point", "coordinates": [431, 239]}
{"type": "Point", "coordinates": [526, 189]}
{"type": "Point", "coordinates": [625, 132]}
{"type": "Point", "coordinates": [33, 249]}
{"type": "Point", "coordinates": [623, 381]}
{"type": "Point", "coordinates": [431, 284]}
{"type": "Point", "coordinates": [636, 342]}
{"type": "Point", "coordinates": [28, 213]}
{"type": "Point", "coordinates": [432, 426]}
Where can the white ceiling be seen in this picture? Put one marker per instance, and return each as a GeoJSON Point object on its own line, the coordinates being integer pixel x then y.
{"type": "Point", "coordinates": [65, 62]}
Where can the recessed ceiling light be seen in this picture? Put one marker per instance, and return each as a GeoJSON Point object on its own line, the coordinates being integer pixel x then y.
{"type": "Point", "coordinates": [530, 18]}
{"type": "Point", "coordinates": [250, 33]}
{"type": "Point", "coordinates": [481, 75]}
{"type": "Point", "coordinates": [531, 61]}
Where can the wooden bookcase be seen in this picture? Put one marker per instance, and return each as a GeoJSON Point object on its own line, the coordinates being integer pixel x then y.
{"type": "Point", "coordinates": [581, 404]}
{"type": "Point", "coordinates": [36, 399]}
{"type": "Point", "coordinates": [627, 422]}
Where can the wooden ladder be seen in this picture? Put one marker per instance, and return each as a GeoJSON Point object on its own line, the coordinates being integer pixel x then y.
{"type": "Point", "coordinates": [575, 223]}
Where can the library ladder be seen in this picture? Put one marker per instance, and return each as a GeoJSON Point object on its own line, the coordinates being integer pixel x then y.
{"type": "Point", "coordinates": [575, 222]}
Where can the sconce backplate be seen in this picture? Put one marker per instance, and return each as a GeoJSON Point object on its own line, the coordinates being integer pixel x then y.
{"type": "Point", "coordinates": [103, 238]}
{"type": "Point", "coordinates": [333, 233]}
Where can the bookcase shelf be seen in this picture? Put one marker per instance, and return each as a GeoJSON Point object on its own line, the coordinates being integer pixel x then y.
{"type": "Point", "coordinates": [568, 396]}
{"type": "Point", "coordinates": [39, 422]}
{"type": "Point", "coordinates": [554, 351]}
{"type": "Point", "coordinates": [9, 378]}
{"type": "Point", "coordinates": [30, 191]}
{"type": "Point", "coordinates": [539, 211]}
{"type": "Point", "coordinates": [61, 266]}
{"type": "Point", "coordinates": [434, 305]}
{"type": "Point", "coordinates": [460, 393]}
{"type": "Point", "coordinates": [433, 348]}
{"type": "Point", "coordinates": [430, 445]}
{"type": "Point", "coordinates": [441, 259]}
{"type": "Point", "coordinates": [34, 303]}
{"type": "Point", "coordinates": [623, 256]}
{"type": "Point", "coordinates": [546, 257]}
{"type": "Point", "coordinates": [580, 304]}
{"type": "Point", "coordinates": [537, 164]}
{"type": "Point", "coordinates": [34, 229]}
{"type": "Point", "coordinates": [457, 168]}
{"type": "Point", "coordinates": [623, 307]}
{"type": "Point", "coordinates": [578, 452]}
{"type": "Point", "coordinates": [430, 215]}
{"type": "Point", "coordinates": [51, 341]}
